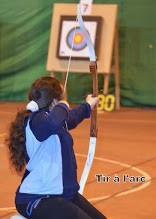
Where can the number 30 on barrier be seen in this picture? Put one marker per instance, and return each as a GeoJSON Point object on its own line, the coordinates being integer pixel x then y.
{"type": "Point", "coordinates": [106, 103]}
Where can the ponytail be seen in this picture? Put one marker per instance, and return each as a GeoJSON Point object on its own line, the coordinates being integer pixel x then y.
{"type": "Point", "coordinates": [16, 142]}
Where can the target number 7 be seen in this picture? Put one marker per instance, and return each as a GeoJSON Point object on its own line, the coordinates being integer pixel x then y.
{"type": "Point", "coordinates": [85, 7]}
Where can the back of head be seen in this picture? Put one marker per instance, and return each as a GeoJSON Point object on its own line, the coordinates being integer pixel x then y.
{"type": "Point", "coordinates": [44, 90]}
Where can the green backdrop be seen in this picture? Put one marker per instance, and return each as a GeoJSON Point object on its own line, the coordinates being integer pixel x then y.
{"type": "Point", "coordinates": [24, 36]}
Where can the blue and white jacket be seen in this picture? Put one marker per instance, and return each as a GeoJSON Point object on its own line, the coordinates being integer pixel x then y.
{"type": "Point", "coordinates": [51, 165]}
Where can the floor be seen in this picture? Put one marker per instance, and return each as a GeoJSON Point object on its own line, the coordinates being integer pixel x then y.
{"type": "Point", "coordinates": [122, 180]}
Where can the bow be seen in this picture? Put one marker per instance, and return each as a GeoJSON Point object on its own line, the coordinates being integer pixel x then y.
{"type": "Point", "coordinates": [93, 128]}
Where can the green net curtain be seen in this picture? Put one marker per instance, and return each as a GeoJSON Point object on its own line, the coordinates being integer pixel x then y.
{"type": "Point", "coordinates": [24, 38]}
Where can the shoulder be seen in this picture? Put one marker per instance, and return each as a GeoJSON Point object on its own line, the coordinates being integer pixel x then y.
{"type": "Point", "coordinates": [39, 113]}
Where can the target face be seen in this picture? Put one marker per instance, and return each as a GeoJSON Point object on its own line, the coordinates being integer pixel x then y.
{"type": "Point", "coordinates": [72, 37]}
{"type": "Point", "coordinates": [75, 39]}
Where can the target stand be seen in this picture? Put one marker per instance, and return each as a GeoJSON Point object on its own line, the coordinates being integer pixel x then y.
{"type": "Point", "coordinates": [104, 38]}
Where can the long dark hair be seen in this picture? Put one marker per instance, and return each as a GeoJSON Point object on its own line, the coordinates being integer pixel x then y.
{"type": "Point", "coordinates": [43, 91]}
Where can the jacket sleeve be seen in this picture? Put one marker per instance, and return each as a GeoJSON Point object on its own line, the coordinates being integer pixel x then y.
{"type": "Point", "coordinates": [77, 115]}
{"type": "Point", "coordinates": [44, 124]}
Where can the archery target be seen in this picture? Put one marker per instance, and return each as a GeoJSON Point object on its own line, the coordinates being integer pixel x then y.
{"type": "Point", "coordinates": [72, 37]}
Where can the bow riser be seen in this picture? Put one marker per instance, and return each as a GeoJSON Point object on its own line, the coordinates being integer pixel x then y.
{"type": "Point", "coordinates": [93, 128]}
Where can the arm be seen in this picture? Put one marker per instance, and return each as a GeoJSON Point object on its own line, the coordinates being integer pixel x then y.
{"type": "Point", "coordinates": [78, 114]}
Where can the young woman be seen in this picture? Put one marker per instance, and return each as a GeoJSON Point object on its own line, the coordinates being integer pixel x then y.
{"type": "Point", "coordinates": [41, 146]}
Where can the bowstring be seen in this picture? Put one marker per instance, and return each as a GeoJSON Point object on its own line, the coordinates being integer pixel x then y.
{"type": "Point", "coordinates": [70, 56]}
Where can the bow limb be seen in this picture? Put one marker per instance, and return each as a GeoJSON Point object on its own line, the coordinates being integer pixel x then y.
{"type": "Point", "coordinates": [93, 128]}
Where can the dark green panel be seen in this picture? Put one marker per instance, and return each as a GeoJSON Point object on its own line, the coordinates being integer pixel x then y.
{"type": "Point", "coordinates": [23, 50]}
{"type": "Point", "coordinates": [138, 66]}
